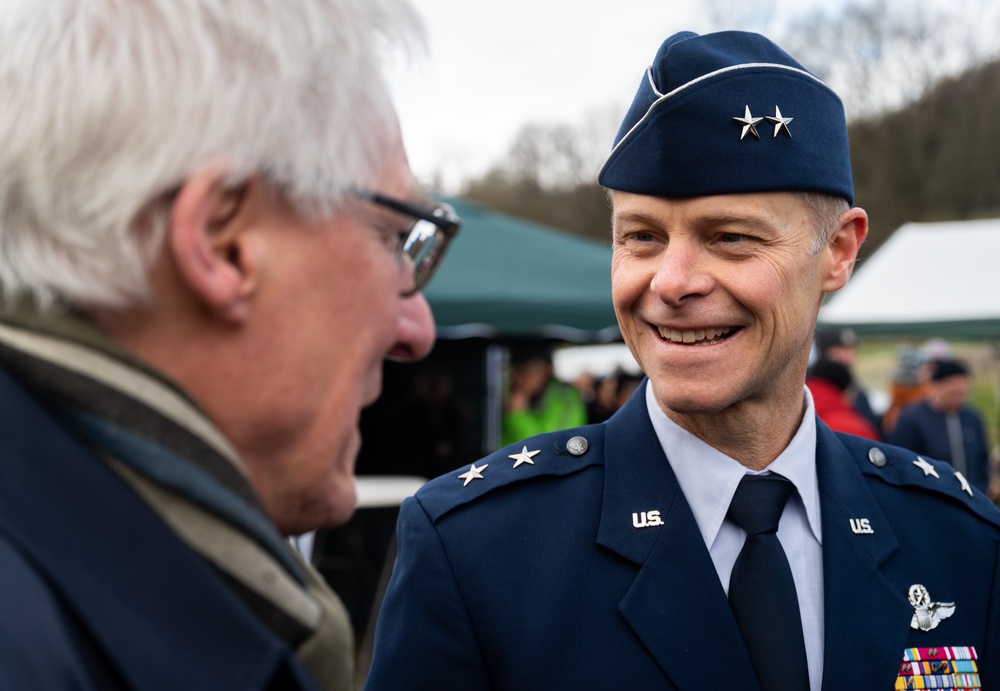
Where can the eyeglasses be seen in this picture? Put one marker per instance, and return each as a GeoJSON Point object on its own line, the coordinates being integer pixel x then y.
{"type": "Point", "coordinates": [424, 243]}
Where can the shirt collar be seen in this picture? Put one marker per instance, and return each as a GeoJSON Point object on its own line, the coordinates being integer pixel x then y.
{"type": "Point", "coordinates": [709, 477]}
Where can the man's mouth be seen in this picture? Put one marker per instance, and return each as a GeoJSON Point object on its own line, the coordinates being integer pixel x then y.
{"type": "Point", "coordinates": [696, 337]}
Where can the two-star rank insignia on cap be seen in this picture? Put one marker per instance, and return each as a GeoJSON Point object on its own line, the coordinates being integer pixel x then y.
{"type": "Point", "coordinates": [749, 123]}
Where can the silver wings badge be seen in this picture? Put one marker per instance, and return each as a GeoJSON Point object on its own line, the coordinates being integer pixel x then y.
{"type": "Point", "coordinates": [927, 615]}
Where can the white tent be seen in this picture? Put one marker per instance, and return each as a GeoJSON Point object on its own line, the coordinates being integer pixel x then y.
{"type": "Point", "coordinates": [928, 279]}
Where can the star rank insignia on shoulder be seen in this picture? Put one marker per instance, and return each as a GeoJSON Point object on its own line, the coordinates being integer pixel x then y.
{"type": "Point", "coordinates": [524, 456]}
{"type": "Point", "coordinates": [473, 473]}
{"type": "Point", "coordinates": [548, 455]}
{"type": "Point", "coordinates": [931, 471]}
{"type": "Point", "coordinates": [926, 467]}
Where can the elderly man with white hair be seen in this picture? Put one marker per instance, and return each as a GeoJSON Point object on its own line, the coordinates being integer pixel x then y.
{"type": "Point", "coordinates": [210, 240]}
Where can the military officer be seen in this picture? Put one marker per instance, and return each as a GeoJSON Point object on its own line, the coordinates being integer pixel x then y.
{"type": "Point", "coordinates": [713, 534]}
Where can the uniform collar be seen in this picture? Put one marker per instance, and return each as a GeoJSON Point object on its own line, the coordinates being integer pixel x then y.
{"type": "Point", "coordinates": [709, 477]}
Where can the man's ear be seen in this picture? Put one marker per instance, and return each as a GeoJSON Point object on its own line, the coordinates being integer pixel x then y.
{"type": "Point", "coordinates": [843, 247]}
{"type": "Point", "coordinates": [207, 239]}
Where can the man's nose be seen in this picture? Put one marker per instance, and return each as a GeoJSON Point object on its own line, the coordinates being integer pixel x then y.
{"type": "Point", "coordinates": [682, 273]}
{"type": "Point", "coordinates": [414, 329]}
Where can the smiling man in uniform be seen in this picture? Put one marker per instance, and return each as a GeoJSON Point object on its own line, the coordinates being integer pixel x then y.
{"type": "Point", "coordinates": [713, 534]}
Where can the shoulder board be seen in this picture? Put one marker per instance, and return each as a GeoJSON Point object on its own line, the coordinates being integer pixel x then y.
{"type": "Point", "coordinates": [545, 455]}
{"type": "Point", "coordinates": [901, 467]}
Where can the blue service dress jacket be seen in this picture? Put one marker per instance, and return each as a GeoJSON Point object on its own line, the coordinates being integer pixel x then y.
{"type": "Point", "coordinates": [585, 569]}
{"type": "Point", "coordinates": [97, 593]}
{"type": "Point", "coordinates": [924, 430]}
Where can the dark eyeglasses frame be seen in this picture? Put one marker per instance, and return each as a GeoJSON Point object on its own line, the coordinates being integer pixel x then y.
{"type": "Point", "coordinates": [446, 224]}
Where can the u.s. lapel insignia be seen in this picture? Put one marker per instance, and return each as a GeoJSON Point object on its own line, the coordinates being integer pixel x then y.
{"type": "Point", "coordinates": [523, 457]}
{"type": "Point", "coordinates": [646, 519]}
{"type": "Point", "coordinates": [926, 614]}
{"type": "Point", "coordinates": [861, 526]}
{"type": "Point", "coordinates": [963, 482]}
{"type": "Point", "coordinates": [473, 473]}
{"type": "Point", "coordinates": [926, 467]}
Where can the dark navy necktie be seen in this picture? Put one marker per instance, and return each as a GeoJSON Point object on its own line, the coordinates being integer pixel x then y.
{"type": "Point", "coordinates": [761, 589]}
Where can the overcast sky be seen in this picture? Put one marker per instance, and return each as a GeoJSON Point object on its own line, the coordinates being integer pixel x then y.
{"type": "Point", "coordinates": [493, 66]}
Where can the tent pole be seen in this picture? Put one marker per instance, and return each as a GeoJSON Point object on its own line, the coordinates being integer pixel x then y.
{"type": "Point", "coordinates": [495, 362]}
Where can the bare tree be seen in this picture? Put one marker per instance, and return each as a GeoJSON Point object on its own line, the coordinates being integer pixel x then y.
{"type": "Point", "coordinates": [881, 55]}
{"type": "Point", "coordinates": [923, 140]}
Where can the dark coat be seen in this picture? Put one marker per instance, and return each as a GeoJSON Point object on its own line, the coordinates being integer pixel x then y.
{"type": "Point", "coordinates": [96, 592]}
{"type": "Point", "coordinates": [556, 575]}
{"type": "Point", "coordinates": [925, 431]}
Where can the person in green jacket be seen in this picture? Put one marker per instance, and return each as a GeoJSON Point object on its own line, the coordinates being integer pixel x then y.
{"type": "Point", "coordinates": [537, 401]}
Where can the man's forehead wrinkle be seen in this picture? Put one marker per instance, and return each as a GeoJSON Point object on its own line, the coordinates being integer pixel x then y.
{"type": "Point", "coordinates": [634, 217]}
{"type": "Point", "coordinates": [709, 219]}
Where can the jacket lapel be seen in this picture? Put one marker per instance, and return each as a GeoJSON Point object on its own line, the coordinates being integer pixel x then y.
{"type": "Point", "coordinates": [676, 604]}
{"type": "Point", "coordinates": [866, 618]}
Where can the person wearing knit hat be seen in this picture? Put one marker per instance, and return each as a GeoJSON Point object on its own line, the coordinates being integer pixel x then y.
{"type": "Point", "coordinates": [944, 426]}
{"type": "Point", "coordinates": [616, 556]}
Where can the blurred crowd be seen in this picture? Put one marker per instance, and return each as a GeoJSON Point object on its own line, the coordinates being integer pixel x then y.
{"type": "Point", "coordinates": [537, 401]}
{"type": "Point", "coordinates": [927, 410]}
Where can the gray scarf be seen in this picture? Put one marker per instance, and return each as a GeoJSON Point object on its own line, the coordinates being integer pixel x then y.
{"type": "Point", "coordinates": [155, 436]}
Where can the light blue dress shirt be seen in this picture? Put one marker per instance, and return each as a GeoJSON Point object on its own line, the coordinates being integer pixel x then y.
{"type": "Point", "coordinates": [709, 479]}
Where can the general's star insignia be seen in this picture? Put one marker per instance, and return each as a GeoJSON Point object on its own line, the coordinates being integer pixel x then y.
{"type": "Point", "coordinates": [749, 123]}
{"type": "Point", "coordinates": [780, 123]}
{"type": "Point", "coordinates": [473, 473]}
{"type": "Point", "coordinates": [523, 457]}
{"type": "Point", "coordinates": [964, 483]}
{"type": "Point", "coordinates": [926, 614]}
{"type": "Point", "coordinates": [926, 467]}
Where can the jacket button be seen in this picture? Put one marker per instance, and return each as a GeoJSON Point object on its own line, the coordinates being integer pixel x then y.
{"type": "Point", "coordinates": [577, 446]}
{"type": "Point", "coordinates": [876, 456]}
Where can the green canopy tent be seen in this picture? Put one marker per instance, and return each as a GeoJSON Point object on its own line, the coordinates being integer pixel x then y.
{"type": "Point", "coordinates": [504, 280]}
{"type": "Point", "coordinates": [508, 278]}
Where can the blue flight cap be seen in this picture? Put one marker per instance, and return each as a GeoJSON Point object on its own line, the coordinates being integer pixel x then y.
{"type": "Point", "coordinates": [725, 113]}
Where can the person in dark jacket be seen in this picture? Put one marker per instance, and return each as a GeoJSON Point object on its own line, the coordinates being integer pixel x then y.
{"type": "Point", "coordinates": [840, 344]}
{"type": "Point", "coordinates": [832, 389]}
{"type": "Point", "coordinates": [945, 427]}
{"type": "Point", "coordinates": [211, 240]}
{"type": "Point", "coordinates": [713, 533]}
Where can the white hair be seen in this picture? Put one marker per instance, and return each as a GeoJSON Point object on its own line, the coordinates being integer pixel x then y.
{"type": "Point", "coordinates": [107, 105]}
